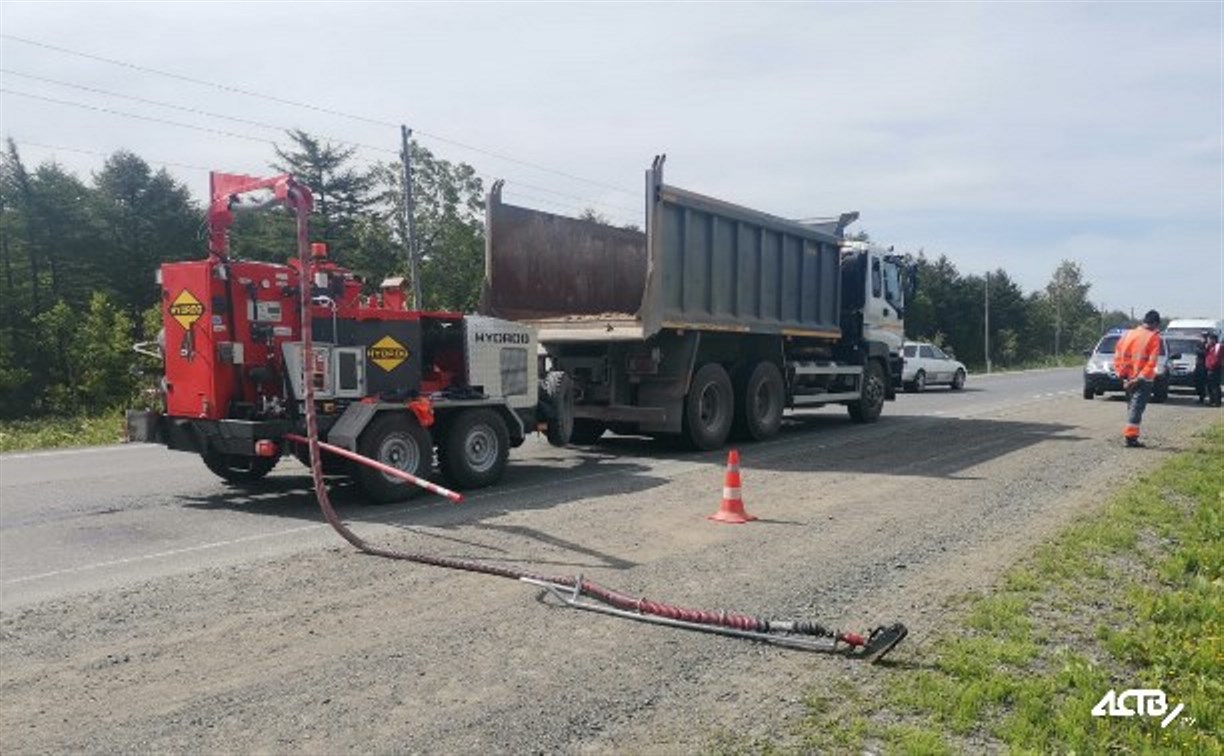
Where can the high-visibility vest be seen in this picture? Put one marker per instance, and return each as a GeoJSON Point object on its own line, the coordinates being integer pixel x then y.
{"type": "Point", "coordinates": [1136, 353]}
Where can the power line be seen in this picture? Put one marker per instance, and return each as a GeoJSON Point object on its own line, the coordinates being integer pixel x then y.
{"type": "Point", "coordinates": [61, 148]}
{"type": "Point", "coordinates": [125, 114]}
{"type": "Point", "coordinates": [260, 124]}
{"type": "Point", "coordinates": [194, 111]}
{"type": "Point", "coordinates": [316, 108]}
{"type": "Point", "coordinates": [192, 80]}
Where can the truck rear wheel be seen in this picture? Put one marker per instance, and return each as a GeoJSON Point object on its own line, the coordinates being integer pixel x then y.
{"type": "Point", "coordinates": [475, 448]}
{"type": "Point", "coordinates": [868, 409]}
{"type": "Point", "coordinates": [236, 468]}
{"type": "Point", "coordinates": [394, 438]}
{"type": "Point", "coordinates": [758, 411]}
{"type": "Point", "coordinates": [557, 390]}
{"type": "Point", "coordinates": [709, 407]}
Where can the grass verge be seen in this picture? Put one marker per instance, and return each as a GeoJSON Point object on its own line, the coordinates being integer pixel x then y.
{"type": "Point", "coordinates": [56, 432]}
{"type": "Point", "coordinates": [1129, 597]}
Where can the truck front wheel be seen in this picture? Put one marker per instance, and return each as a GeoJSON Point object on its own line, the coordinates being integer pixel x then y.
{"type": "Point", "coordinates": [475, 448]}
{"type": "Point", "coordinates": [867, 409]}
{"type": "Point", "coordinates": [396, 439]}
{"type": "Point", "coordinates": [236, 468]}
{"type": "Point", "coordinates": [709, 407]}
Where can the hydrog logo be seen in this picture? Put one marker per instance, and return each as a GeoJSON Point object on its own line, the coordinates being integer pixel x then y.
{"type": "Point", "coordinates": [387, 353]}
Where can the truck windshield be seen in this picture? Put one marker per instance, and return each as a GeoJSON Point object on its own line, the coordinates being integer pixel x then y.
{"type": "Point", "coordinates": [892, 286]}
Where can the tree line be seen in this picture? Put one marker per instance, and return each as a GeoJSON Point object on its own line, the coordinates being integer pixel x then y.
{"type": "Point", "coordinates": [79, 256]}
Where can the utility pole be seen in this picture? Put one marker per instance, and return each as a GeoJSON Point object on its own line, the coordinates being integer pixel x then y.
{"type": "Point", "coordinates": [987, 330]}
{"type": "Point", "coordinates": [409, 236]}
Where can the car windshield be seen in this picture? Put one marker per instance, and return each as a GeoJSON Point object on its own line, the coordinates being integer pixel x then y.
{"type": "Point", "coordinates": [1183, 347]}
{"type": "Point", "coordinates": [1107, 345]}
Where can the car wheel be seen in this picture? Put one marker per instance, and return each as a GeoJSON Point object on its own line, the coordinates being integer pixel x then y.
{"type": "Point", "coordinates": [1160, 393]}
{"type": "Point", "coordinates": [920, 382]}
{"type": "Point", "coordinates": [1089, 393]}
{"type": "Point", "coordinates": [396, 439]}
{"type": "Point", "coordinates": [958, 382]}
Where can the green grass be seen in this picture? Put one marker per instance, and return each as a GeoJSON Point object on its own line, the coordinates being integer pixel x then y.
{"type": "Point", "coordinates": [55, 432]}
{"type": "Point", "coordinates": [1130, 596]}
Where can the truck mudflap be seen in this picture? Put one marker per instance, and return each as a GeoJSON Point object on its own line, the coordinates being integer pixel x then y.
{"type": "Point", "coordinates": [199, 435]}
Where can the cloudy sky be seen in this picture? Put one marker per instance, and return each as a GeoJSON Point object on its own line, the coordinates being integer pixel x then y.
{"type": "Point", "coordinates": [1009, 135]}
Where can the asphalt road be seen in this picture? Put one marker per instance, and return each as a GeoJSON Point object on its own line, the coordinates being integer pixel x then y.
{"type": "Point", "coordinates": [148, 608]}
{"type": "Point", "coordinates": [80, 520]}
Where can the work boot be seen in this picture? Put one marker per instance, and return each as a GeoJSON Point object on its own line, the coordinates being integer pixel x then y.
{"type": "Point", "coordinates": [1134, 443]}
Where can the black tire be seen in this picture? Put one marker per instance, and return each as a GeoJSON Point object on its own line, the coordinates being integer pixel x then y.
{"type": "Point", "coordinates": [236, 468]}
{"type": "Point", "coordinates": [474, 448]}
{"type": "Point", "coordinates": [709, 408]}
{"type": "Point", "coordinates": [759, 403]}
{"type": "Point", "coordinates": [919, 383]}
{"type": "Point", "coordinates": [1089, 393]}
{"type": "Point", "coordinates": [394, 438]}
{"type": "Point", "coordinates": [558, 391]}
{"type": "Point", "coordinates": [587, 431]}
{"type": "Point", "coordinates": [1160, 392]}
{"type": "Point", "coordinates": [868, 409]}
{"type": "Point", "coordinates": [958, 380]}
{"type": "Point", "coordinates": [332, 463]}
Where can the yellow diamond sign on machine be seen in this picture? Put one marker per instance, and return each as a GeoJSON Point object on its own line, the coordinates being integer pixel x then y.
{"type": "Point", "coordinates": [387, 353]}
{"type": "Point", "coordinates": [186, 309]}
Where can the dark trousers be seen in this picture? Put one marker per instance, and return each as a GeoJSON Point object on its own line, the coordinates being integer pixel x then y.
{"type": "Point", "coordinates": [1200, 382]}
{"type": "Point", "coordinates": [1213, 387]}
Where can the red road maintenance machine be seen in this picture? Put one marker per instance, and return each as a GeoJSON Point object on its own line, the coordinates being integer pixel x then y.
{"type": "Point", "coordinates": [390, 384]}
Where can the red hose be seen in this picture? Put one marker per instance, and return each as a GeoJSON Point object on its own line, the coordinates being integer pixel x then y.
{"type": "Point", "coordinates": [586, 587]}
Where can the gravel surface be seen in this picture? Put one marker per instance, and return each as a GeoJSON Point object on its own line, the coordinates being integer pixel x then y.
{"type": "Point", "coordinates": [328, 650]}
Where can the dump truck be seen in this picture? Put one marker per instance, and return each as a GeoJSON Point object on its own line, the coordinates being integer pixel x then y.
{"type": "Point", "coordinates": [714, 321]}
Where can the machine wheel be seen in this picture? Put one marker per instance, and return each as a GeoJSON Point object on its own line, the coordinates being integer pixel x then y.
{"type": "Point", "coordinates": [1089, 393]}
{"type": "Point", "coordinates": [587, 431]}
{"type": "Point", "coordinates": [475, 448]}
{"type": "Point", "coordinates": [332, 464]}
{"type": "Point", "coordinates": [758, 411]}
{"type": "Point", "coordinates": [396, 439]}
{"type": "Point", "coordinates": [958, 381]}
{"type": "Point", "coordinates": [709, 407]}
{"type": "Point", "coordinates": [236, 468]}
{"type": "Point", "coordinates": [868, 409]}
{"type": "Point", "coordinates": [919, 384]}
{"type": "Point", "coordinates": [558, 391]}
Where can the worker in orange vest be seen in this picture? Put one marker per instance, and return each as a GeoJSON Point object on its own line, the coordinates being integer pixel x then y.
{"type": "Point", "coordinates": [1135, 362]}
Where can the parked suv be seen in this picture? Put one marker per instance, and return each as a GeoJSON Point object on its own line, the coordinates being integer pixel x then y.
{"type": "Point", "coordinates": [1100, 376]}
{"type": "Point", "coordinates": [927, 365]}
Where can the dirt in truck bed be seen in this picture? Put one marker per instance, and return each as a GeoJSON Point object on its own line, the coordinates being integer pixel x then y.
{"type": "Point", "coordinates": [328, 650]}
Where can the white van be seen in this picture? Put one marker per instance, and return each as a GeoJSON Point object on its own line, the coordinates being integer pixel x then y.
{"type": "Point", "coordinates": [1194, 327]}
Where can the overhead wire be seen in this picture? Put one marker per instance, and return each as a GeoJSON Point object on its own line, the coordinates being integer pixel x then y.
{"type": "Point", "coordinates": [251, 122]}
{"type": "Point", "coordinates": [316, 108]}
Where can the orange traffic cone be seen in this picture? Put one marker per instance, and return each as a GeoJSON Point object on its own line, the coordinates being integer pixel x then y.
{"type": "Point", "coordinates": [732, 509]}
